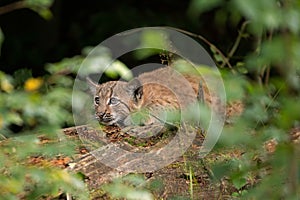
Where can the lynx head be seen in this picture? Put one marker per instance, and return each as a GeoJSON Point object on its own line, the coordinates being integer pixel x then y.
{"type": "Point", "coordinates": [115, 100]}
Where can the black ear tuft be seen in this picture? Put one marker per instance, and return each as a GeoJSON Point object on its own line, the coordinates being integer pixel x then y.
{"type": "Point", "coordinates": [92, 85]}
{"type": "Point", "coordinates": [135, 89]}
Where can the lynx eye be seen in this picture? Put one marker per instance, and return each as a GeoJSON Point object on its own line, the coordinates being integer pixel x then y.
{"type": "Point", "coordinates": [113, 101]}
{"type": "Point", "coordinates": [97, 99]}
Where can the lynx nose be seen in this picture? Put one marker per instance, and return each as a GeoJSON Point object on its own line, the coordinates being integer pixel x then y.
{"type": "Point", "coordinates": [100, 115]}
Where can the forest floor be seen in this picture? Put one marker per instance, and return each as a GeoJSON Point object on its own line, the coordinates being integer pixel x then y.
{"type": "Point", "coordinates": [189, 177]}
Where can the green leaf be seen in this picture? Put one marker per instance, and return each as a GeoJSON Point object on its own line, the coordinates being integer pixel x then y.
{"type": "Point", "coordinates": [241, 68]}
{"type": "Point", "coordinates": [217, 57]}
{"type": "Point", "coordinates": [41, 7]}
{"type": "Point", "coordinates": [152, 42]}
{"type": "Point", "coordinates": [66, 65]}
{"type": "Point", "coordinates": [14, 118]}
{"type": "Point", "coordinates": [292, 19]}
{"type": "Point", "coordinates": [273, 52]}
{"type": "Point", "coordinates": [235, 86]}
{"type": "Point", "coordinates": [239, 182]}
{"type": "Point", "coordinates": [261, 13]}
{"type": "Point", "coordinates": [128, 187]}
{"type": "Point", "coordinates": [199, 6]}
{"type": "Point", "coordinates": [119, 68]}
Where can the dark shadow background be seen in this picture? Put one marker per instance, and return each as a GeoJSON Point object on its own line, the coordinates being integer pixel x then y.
{"type": "Point", "coordinates": [30, 41]}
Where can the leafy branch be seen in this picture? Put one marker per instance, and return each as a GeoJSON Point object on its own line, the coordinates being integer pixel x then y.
{"type": "Point", "coordinates": [13, 6]}
{"type": "Point", "coordinates": [211, 45]}
{"type": "Point", "coordinates": [41, 7]}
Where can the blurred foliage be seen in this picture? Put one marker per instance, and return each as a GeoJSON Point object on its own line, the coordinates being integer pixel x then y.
{"type": "Point", "coordinates": [33, 108]}
{"type": "Point", "coordinates": [38, 107]}
{"type": "Point", "coordinates": [40, 6]}
{"type": "Point", "coordinates": [265, 76]}
{"type": "Point", "coordinates": [270, 87]}
{"type": "Point", "coordinates": [152, 42]}
{"type": "Point", "coordinates": [30, 109]}
{"type": "Point", "coordinates": [129, 187]}
{"type": "Point", "coordinates": [99, 59]}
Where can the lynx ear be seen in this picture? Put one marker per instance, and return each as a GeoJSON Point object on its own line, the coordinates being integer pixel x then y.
{"type": "Point", "coordinates": [92, 85]}
{"type": "Point", "coordinates": [135, 89]}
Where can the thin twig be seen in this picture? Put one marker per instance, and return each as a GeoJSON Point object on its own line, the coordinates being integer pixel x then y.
{"type": "Point", "coordinates": [268, 67]}
{"type": "Point", "coordinates": [237, 41]}
{"type": "Point", "coordinates": [212, 46]}
{"type": "Point", "coordinates": [3, 137]}
{"type": "Point", "coordinates": [269, 104]}
{"type": "Point", "coordinates": [69, 196]}
{"type": "Point", "coordinates": [11, 7]}
{"type": "Point", "coordinates": [191, 183]}
{"type": "Point", "coordinates": [267, 77]}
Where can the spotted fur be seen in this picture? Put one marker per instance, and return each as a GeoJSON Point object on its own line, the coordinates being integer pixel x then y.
{"type": "Point", "coordinates": [161, 89]}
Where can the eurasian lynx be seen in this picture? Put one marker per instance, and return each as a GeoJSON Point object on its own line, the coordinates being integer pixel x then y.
{"type": "Point", "coordinates": [163, 89]}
